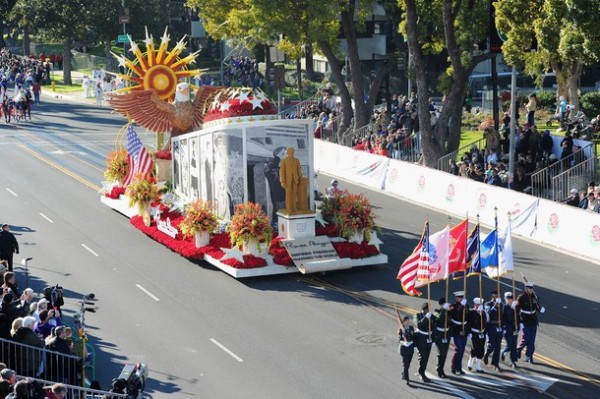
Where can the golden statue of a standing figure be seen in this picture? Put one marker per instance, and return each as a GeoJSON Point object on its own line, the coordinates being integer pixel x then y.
{"type": "Point", "coordinates": [290, 176]}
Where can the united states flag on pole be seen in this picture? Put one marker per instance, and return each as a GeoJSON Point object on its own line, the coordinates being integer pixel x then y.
{"type": "Point", "coordinates": [137, 157]}
{"type": "Point", "coordinates": [408, 270]}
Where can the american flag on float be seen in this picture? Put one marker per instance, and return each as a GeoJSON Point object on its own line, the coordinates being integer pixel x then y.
{"type": "Point", "coordinates": [137, 157]}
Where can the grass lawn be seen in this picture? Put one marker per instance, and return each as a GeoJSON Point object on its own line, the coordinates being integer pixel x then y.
{"type": "Point", "coordinates": [61, 88]}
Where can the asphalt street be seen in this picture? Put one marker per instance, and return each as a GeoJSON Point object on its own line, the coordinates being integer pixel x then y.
{"type": "Point", "coordinates": [205, 334]}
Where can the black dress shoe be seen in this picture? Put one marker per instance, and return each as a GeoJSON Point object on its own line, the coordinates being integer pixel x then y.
{"type": "Point", "coordinates": [513, 365]}
{"type": "Point", "coordinates": [503, 355]}
{"type": "Point", "coordinates": [486, 360]}
{"type": "Point", "coordinates": [453, 371]}
{"type": "Point", "coordinates": [480, 371]}
{"type": "Point", "coordinates": [497, 369]}
{"type": "Point", "coordinates": [424, 378]}
{"type": "Point", "coordinates": [469, 368]}
{"type": "Point", "coordinates": [441, 374]}
{"type": "Point", "coordinates": [461, 372]}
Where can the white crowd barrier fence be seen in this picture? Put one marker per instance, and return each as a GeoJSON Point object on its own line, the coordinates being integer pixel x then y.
{"type": "Point", "coordinates": [558, 225]}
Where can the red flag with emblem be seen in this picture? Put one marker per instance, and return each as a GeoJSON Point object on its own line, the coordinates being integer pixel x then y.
{"type": "Point", "coordinates": [457, 261]}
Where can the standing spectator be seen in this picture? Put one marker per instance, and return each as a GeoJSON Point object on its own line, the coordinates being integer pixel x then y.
{"type": "Point", "coordinates": [8, 245]}
{"type": "Point", "coordinates": [562, 111]}
{"type": "Point", "coordinates": [531, 108]}
{"type": "Point", "coordinates": [99, 93]}
{"type": "Point", "coordinates": [36, 90]}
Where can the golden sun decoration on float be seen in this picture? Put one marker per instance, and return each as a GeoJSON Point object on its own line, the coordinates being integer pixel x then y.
{"type": "Point", "coordinates": [158, 69]}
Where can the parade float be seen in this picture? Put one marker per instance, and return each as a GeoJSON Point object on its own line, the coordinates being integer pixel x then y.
{"type": "Point", "coordinates": [237, 191]}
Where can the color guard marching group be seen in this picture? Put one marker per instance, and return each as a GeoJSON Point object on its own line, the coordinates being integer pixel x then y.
{"type": "Point", "coordinates": [484, 323]}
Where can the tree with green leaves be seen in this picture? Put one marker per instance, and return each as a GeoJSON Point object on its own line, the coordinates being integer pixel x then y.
{"type": "Point", "coordinates": [304, 23]}
{"type": "Point", "coordinates": [144, 15]}
{"type": "Point", "coordinates": [430, 27]}
{"type": "Point", "coordinates": [65, 21]}
{"type": "Point", "coordinates": [566, 34]}
{"type": "Point", "coordinates": [6, 7]}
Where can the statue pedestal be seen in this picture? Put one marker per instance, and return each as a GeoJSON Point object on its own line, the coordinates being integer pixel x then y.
{"type": "Point", "coordinates": [296, 226]}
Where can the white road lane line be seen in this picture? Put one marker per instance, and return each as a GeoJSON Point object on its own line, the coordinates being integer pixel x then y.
{"type": "Point", "coordinates": [230, 353]}
{"type": "Point", "coordinates": [454, 390]}
{"type": "Point", "coordinates": [147, 292]}
{"type": "Point", "coordinates": [11, 191]}
{"type": "Point", "coordinates": [46, 217]}
{"type": "Point", "coordinates": [90, 250]}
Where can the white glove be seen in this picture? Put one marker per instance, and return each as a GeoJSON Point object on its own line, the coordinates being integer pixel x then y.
{"type": "Point", "coordinates": [498, 300]}
{"type": "Point", "coordinates": [463, 302]}
{"type": "Point", "coordinates": [446, 306]}
{"type": "Point", "coordinates": [542, 310]}
{"type": "Point", "coordinates": [480, 308]}
{"type": "Point", "coordinates": [513, 305]}
{"type": "Point", "coordinates": [428, 315]}
{"type": "Point", "coordinates": [521, 326]}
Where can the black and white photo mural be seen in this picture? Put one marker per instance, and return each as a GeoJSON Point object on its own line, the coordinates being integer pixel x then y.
{"type": "Point", "coordinates": [232, 164]}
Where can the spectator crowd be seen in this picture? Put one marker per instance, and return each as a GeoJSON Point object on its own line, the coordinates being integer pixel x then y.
{"type": "Point", "coordinates": [34, 341]}
{"type": "Point", "coordinates": [21, 79]}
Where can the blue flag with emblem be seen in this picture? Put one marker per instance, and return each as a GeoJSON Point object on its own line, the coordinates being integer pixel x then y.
{"type": "Point", "coordinates": [488, 254]}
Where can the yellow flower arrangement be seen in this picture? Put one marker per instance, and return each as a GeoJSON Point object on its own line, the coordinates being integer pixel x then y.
{"type": "Point", "coordinates": [141, 191]}
{"type": "Point", "coordinates": [199, 216]}
{"type": "Point", "coordinates": [116, 166]}
{"type": "Point", "coordinates": [249, 224]}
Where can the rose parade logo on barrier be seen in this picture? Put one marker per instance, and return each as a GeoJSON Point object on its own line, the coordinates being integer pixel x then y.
{"type": "Point", "coordinates": [595, 236]}
{"type": "Point", "coordinates": [421, 183]}
{"type": "Point", "coordinates": [482, 201]}
{"type": "Point", "coordinates": [552, 223]}
{"type": "Point", "coordinates": [450, 192]}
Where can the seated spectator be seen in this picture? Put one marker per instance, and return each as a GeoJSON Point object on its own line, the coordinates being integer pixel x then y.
{"type": "Point", "coordinates": [453, 167]}
{"type": "Point", "coordinates": [520, 182]}
{"type": "Point", "coordinates": [5, 389]}
{"type": "Point", "coordinates": [587, 201]}
{"type": "Point", "coordinates": [10, 284]}
{"type": "Point", "coordinates": [21, 390]}
{"type": "Point", "coordinates": [9, 307]}
{"type": "Point", "coordinates": [8, 375]}
{"type": "Point", "coordinates": [56, 391]}
{"type": "Point", "coordinates": [573, 198]}
{"type": "Point", "coordinates": [48, 321]}
{"type": "Point", "coordinates": [42, 305]}
{"type": "Point", "coordinates": [495, 179]}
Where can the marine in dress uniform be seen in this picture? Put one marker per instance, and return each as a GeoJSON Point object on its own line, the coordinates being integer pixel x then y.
{"type": "Point", "coordinates": [477, 319]}
{"type": "Point", "coordinates": [442, 335]}
{"type": "Point", "coordinates": [510, 328]}
{"type": "Point", "coordinates": [406, 346]}
{"type": "Point", "coordinates": [493, 329]}
{"type": "Point", "coordinates": [424, 338]}
{"type": "Point", "coordinates": [457, 314]}
{"type": "Point", "coordinates": [528, 306]}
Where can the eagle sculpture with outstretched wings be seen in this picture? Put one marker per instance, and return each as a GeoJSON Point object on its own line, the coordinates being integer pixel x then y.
{"type": "Point", "coordinates": [147, 109]}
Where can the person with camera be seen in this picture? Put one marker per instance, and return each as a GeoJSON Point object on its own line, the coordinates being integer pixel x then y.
{"type": "Point", "coordinates": [54, 296]}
